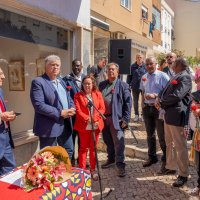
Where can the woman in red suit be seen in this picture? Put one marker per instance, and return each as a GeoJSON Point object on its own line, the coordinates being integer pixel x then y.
{"type": "Point", "coordinates": [83, 121]}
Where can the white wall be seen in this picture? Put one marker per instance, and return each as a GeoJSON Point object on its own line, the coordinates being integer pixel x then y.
{"type": "Point", "coordinates": [73, 10]}
{"type": "Point", "coordinates": [187, 29]}
{"type": "Point", "coordinates": [19, 101]}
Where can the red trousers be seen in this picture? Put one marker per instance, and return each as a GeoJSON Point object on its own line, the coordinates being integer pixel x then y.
{"type": "Point", "coordinates": [87, 143]}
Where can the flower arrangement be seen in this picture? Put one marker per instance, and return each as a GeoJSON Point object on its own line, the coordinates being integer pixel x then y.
{"type": "Point", "coordinates": [174, 82]}
{"type": "Point", "coordinates": [144, 79]}
{"type": "Point", "coordinates": [49, 166]}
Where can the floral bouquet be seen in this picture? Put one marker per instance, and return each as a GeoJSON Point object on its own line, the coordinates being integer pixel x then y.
{"type": "Point", "coordinates": [49, 166]}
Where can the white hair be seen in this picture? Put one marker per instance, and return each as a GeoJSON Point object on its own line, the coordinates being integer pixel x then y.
{"type": "Point", "coordinates": [50, 59]}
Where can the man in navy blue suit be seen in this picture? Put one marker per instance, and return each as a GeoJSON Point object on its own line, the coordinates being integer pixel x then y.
{"type": "Point", "coordinates": [117, 98]}
{"type": "Point", "coordinates": [53, 107]}
{"type": "Point", "coordinates": [7, 161]}
{"type": "Point", "coordinates": [73, 85]}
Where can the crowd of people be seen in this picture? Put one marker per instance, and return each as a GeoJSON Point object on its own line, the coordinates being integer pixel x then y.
{"type": "Point", "coordinates": [72, 107]}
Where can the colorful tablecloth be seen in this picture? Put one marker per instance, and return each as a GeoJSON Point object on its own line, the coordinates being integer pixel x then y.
{"type": "Point", "coordinates": [78, 187]}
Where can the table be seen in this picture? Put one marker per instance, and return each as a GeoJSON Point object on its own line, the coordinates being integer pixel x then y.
{"type": "Point", "coordinates": [78, 187]}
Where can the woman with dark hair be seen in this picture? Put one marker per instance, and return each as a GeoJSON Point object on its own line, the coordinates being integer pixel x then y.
{"type": "Point", "coordinates": [83, 121]}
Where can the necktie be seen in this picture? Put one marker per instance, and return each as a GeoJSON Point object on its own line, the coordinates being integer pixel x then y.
{"type": "Point", "coordinates": [3, 110]}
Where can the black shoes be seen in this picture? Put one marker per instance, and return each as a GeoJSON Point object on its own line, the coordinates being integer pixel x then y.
{"type": "Point", "coordinates": [150, 162]}
{"type": "Point", "coordinates": [180, 181]}
{"type": "Point", "coordinates": [121, 172]}
{"type": "Point", "coordinates": [108, 164]}
{"type": "Point", "coordinates": [165, 171]}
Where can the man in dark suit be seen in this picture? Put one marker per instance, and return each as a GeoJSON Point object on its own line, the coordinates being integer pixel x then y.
{"type": "Point", "coordinates": [117, 98]}
{"type": "Point", "coordinates": [53, 107]}
{"type": "Point", "coordinates": [171, 57]}
{"type": "Point", "coordinates": [7, 161]}
{"type": "Point", "coordinates": [73, 85]}
{"type": "Point", "coordinates": [175, 99]}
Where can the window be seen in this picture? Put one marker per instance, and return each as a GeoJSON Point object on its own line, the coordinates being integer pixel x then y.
{"type": "Point", "coordinates": [126, 4]}
{"type": "Point", "coordinates": [144, 12]}
{"type": "Point", "coordinates": [156, 18]}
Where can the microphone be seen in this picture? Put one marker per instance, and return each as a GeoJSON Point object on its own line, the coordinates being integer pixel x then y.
{"type": "Point", "coordinates": [72, 78]}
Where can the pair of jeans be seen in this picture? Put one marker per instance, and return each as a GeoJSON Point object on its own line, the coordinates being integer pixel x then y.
{"type": "Point", "coordinates": [114, 140]}
{"type": "Point", "coordinates": [136, 94]}
{"type": "Point", "coordinates": [7, 160]}
{"type": "Point", "coordinates": [152, 124]}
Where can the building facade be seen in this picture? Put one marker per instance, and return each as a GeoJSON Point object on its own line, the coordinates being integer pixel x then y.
{"type": "Point", "coordinates": [29, 31]}
{"type": "Point", "coordinates": [125, 19]}
{"type": "Point", "coordinates": [187, 30]}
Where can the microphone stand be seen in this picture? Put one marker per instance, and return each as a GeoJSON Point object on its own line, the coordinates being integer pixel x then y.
{"type": "Point", "coordinates": [90, 105]}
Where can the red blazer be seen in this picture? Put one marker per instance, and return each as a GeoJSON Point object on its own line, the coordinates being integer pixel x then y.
{"type": "Point", "coordinates": [82, 111]}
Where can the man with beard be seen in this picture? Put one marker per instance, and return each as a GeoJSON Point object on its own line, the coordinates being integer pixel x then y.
{"type": "Point", "coordinates": [171, 57]}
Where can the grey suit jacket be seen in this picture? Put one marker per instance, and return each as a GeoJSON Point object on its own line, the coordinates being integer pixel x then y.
{"type": "Point", "coordinates": [175, 99]}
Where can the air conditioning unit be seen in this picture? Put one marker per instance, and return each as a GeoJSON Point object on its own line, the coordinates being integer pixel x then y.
{"type": "Point", "coordinates": [119, 35]}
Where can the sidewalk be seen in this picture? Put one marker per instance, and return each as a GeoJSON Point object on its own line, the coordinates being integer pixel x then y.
{"type": "Point", "coordinates": [133, 149]}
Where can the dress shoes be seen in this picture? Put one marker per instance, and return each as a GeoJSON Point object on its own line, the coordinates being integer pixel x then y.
{"type": "Point", "coordinates": [121, 172]}
{"type": "Point", "coordinates": [180, 181]}
{"type": "Point", "coordinates": [150, 162]}
{"type": "Point", "coordinates": [108, 164]}
{"type": "Point", "coordinates": [165, 171]}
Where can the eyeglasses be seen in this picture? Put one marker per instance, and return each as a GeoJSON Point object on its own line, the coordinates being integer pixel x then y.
{"type": "Point", "coordinates": [169, 57]}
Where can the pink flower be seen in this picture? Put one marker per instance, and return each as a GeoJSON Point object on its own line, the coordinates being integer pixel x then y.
{"type": "Point", "coordinates": [174, 82]}
{"type": "Point", "coordinates": [32, 173]}
{"type": "Point", "coordinates": [113, 90]}
{"type": "Point", "coordinates": [144, 79]}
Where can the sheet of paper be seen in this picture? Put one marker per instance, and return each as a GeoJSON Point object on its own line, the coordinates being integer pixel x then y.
{"type": "Point", "coordinates": [13, 178]}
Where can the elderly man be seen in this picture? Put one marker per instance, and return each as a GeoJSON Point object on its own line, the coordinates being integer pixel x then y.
{"type": "Point", "coordinates": [7, 161]}
{"type": "Point", "coordinates": [53, 107]}
{"type": "Point", "coordinates": [152, 83]}
{"type": "Point", "coordinates": [99, 70]}
{"type": "Point", "coordinates": [117, 98]}
{"type": "Point", "coordinates": [171, 57]}
{"type": "Point", "coordinates": [73, 85]}
{"type": "Point", "coordinates": [138, 69]}
{"type": "Point", "coordinates": [175, 99]}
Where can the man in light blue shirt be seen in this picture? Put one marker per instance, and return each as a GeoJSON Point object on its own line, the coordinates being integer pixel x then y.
{"type": "Point", "coordinates": [152, 83]}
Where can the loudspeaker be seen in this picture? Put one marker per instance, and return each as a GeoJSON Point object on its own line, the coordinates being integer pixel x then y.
{"type": "Point", "coordinates": [120, 53]}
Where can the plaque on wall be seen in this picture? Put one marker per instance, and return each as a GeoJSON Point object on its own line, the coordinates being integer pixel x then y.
{"type": "Point", "coordinates": [16, 76]}
{"type": "Point", "coordinates": [40, 66]}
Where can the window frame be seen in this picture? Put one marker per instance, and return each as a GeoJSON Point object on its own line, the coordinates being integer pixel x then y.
{"type": "Point", "coordinates": [123, 4]}
{"type": "Point", "coordinates": [144, 9]}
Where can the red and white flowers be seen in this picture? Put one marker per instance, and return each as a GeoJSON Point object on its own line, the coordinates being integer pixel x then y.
{"type": "Point", "coordinates": [144, 79]}
{"type": "Point", "coordinates": [46, 168]}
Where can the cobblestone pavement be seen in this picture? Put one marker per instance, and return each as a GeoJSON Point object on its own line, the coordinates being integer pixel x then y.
{"type": "Point", "coordinates": [141, 183]}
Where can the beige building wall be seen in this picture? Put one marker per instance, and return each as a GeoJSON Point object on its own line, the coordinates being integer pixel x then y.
{"type": "Point", "coordinates": [114, 11]}
{"type": "Point", "coordinates": [187, 29]}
